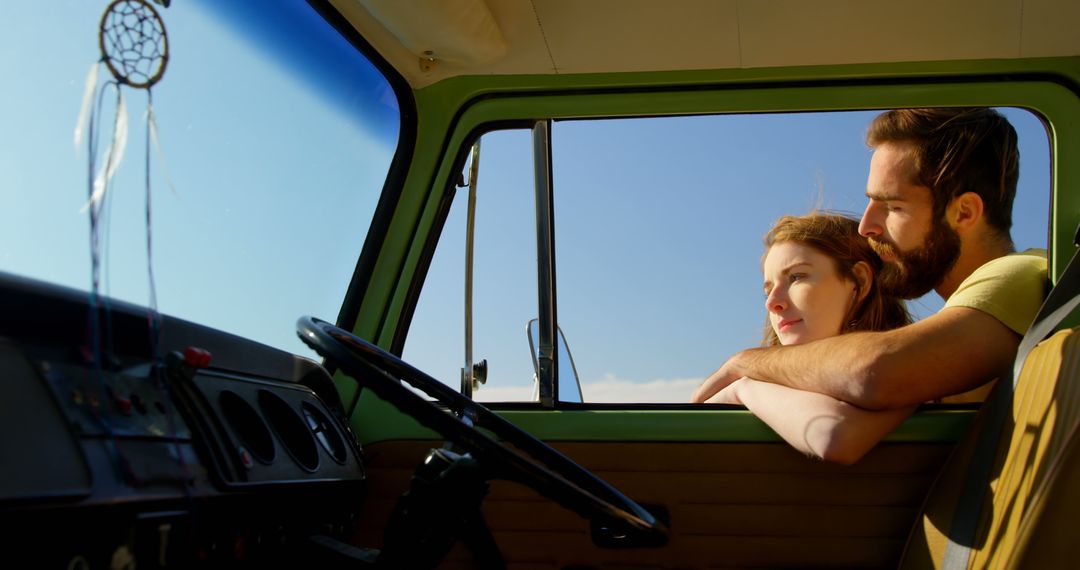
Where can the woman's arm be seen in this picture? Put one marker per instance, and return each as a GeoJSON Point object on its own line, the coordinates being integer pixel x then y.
{"type": "Point", "coordinates": [820, 426]}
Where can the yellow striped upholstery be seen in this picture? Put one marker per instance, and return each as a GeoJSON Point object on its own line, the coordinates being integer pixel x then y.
{"type": "Point", "coordinates": [1035, 462]}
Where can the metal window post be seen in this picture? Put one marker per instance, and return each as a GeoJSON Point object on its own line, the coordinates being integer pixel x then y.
{"type": "Point", "coordinates": [467, 382]}
{"type": "Point", "coordinates": [547, 357]}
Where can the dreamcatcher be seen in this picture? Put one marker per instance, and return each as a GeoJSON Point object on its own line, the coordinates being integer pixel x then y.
{"type": "Point", "coordinates": [135, 48]}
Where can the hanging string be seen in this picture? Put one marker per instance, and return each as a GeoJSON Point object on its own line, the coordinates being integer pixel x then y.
{"type": "Point", "coordinates": [153, 317]}
{"type": "Point", "coordinates": [101, 337]}
{"type": "Point", "coordinates": [101, 216]}
{"type": "Point", "coordinates": [100, 318]}
{"type": "Point", "coordinates": [90, 122]}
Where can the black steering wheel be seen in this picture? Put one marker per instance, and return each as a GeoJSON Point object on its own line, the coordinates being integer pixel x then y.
{"type": "Point", "coordinates": [552, 474]}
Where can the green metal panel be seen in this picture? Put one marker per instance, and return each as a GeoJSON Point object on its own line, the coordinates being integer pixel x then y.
{"type": "Point", "coordinates": [669, 425]}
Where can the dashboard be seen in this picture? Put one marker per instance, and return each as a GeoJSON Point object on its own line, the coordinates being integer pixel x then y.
{"type": "Point", "coordinates": [130, 437]}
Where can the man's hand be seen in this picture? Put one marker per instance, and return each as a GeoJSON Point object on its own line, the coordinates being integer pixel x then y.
{"type": "Point", "coordinates": [717, 381]}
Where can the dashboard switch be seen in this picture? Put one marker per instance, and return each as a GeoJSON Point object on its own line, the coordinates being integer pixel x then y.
{"type": "Point", "coordinates": [196, 357]}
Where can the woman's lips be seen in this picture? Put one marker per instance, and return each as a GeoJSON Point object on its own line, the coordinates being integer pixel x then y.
{"type": "Point", "coordinates": [787, 323]}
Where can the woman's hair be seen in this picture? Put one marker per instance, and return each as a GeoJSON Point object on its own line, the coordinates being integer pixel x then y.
{"type": "Point", "coordinates": [838, 237]}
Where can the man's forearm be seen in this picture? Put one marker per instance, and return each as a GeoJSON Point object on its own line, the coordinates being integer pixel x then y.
{"type": "Point", "coordinates": [844, 370]}
{"type": "Point", "coordinates": [952, 351]}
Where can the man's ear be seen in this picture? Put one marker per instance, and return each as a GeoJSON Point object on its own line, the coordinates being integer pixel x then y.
{"type": "Point", "coordinates": [863, 277]}
{"type": "Point", "coordinates": [965, 211]}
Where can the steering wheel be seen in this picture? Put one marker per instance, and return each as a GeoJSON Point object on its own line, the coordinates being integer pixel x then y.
{"type": "Point", "coordinates": [552, 474]}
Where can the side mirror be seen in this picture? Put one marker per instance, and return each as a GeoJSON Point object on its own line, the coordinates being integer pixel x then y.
{"type": "Point", "coordinates": [569, 383]}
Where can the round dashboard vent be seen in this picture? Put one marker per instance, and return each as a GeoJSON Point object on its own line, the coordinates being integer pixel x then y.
{"type": "Point", "coordinates": [246, 424]}
{"type": "Point", "coordinates": [291, 429]}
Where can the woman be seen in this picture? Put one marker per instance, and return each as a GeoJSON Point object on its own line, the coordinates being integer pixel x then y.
{"type": "Point", "coordinates": [819, 282]}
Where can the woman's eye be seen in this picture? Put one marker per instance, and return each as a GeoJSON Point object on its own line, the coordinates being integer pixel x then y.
{"type": "Point", "coordinates": [796, 277]}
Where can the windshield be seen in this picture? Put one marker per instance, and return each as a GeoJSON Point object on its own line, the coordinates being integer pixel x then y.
{"type": "Point", "coordinates": [273, 146]}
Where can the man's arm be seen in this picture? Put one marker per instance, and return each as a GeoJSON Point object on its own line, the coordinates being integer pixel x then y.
{"type": "Point", "coordinates": [955, 350]}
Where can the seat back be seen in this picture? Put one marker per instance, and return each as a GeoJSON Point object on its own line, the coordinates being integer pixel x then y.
{"type": "Point", "coordinates": [1026, 507]}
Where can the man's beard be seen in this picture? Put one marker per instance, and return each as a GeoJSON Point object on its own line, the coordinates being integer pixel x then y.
{"type": "Point", "coordinates": [914, 273]}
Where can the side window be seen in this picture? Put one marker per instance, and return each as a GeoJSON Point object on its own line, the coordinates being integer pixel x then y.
{"type": "Point", "coordinates": [658, 232]}
{"type": "Point", "coordinates": [504, 277]}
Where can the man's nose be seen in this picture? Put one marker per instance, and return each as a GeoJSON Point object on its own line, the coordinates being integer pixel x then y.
{"type": "Point", "coordinates": [869, 226]}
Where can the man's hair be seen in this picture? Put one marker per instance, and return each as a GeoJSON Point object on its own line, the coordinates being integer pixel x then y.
{"type": "Point", "coordinates": [838, 237]}
{"type": "Point", "coordinates": [957, 150]}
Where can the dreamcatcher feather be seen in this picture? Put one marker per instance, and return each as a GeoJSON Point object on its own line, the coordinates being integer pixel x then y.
{"type": "Point", "coordinates": [135, 49]}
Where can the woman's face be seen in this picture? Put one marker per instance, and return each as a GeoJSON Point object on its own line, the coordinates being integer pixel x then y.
{"type": "Point", "coordinates": [805, 296]}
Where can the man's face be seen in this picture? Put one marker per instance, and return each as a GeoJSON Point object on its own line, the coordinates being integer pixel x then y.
{"type": "Point", "coordinates": [899, 223]}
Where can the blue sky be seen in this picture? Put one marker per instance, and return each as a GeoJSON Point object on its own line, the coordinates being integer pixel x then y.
{"type": "Point", "coordinates": [659, 221]}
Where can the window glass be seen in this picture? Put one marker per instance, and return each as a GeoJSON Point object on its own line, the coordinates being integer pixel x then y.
{"type": "Point", "coordinates": [275, 133]}
{"type": "Point", "coordinates": [504, 282]}
{"type": "Point", "coordinates": [658, 229]}
{"type": "Point", "coordinates": [659, 224]}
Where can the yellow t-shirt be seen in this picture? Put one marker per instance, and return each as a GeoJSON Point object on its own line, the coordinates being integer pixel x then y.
{"type": "Point", "coordinates": [1011, 289]}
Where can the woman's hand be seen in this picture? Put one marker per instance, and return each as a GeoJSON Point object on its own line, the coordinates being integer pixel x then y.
{"type": "Point", "coordinates": [729, 395]}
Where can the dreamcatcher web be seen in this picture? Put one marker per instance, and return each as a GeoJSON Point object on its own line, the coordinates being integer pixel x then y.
{"type": "Point", "coordinates": [133, 43]}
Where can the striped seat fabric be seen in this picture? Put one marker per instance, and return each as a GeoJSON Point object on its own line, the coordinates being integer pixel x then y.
{"type": "Point", "coordinates": [1028, 517]}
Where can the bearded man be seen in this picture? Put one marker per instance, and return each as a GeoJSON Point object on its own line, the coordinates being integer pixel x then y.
{"type": "Point", "coordinates": [941, 189]}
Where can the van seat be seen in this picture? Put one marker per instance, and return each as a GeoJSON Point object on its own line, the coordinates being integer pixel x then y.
{"type": "Point", "coordinates": [1029, 511]}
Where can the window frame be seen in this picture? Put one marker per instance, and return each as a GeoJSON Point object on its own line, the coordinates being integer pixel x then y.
{"type": "Point", "coordinates": [1045, 94]}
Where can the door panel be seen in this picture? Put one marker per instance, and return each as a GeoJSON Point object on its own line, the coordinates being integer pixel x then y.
{"type": "Point", "coordinates": [731, 504]}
